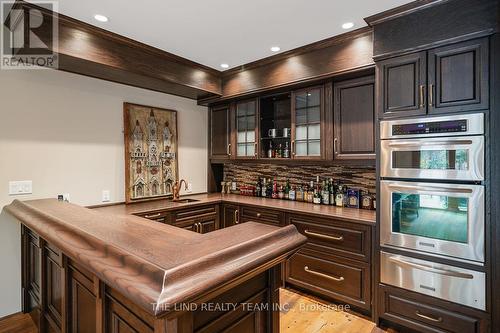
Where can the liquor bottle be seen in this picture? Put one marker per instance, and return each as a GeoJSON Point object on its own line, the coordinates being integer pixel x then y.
{"type": "Point", "coordinates": [325, 194]}
{"type": "Point", "coordinates": [281, 192]}
{"type": "Point", "coordinates": [332, 192]}
{"type": "Point", "coordinates": [339, 197]}
{"type": "Point", "coordinates": [299, 195]}
{"type": "Point", "coordinates": [258, 188]}
{"type": "Point", "coordinates": [286, 151]}
{"type": "Point", "coordinates": [292, 194]}
{"type": "Point", "coordinates": [274, 193]}
{"type": "Point", "coordinates": [270, 151]}
{"type": "Point", "coordinates": [310, 192]}
{"type": "Point", "coordinates": [279, 153]}
{"type": "Point", "coordinates": [317, 196]}
{"type": "Point", "coordinates": [287, 189]}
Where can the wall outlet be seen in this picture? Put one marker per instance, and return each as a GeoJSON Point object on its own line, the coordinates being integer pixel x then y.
{"type": "Point", "coordinates": [189, 188]}
{"type": "Point", "coordinates": [106, 196]}
{"type": "Point", "coordinates": [20, 187]}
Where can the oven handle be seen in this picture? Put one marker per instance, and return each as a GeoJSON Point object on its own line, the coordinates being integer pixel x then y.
{"type": "Point", "coordinates": [430, 143]}
{"type": "Point", "coordinates": [431, 269]}
{"type": "Point", "coordinates": [432, 188]}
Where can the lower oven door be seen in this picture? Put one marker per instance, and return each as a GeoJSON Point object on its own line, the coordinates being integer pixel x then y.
{"type": "Point", "coordinates": [442, 219]}
{"type": "Point", "coordinates": [454, 158]}
{"type": "Point", "coordinates": [459, 285]}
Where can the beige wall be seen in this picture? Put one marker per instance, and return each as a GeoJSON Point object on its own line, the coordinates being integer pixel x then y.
{"type": "Point", "coordinates": [64, 132]}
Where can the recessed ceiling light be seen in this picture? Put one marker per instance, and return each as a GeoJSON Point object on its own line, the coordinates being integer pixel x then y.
{"type": "Point", "coordinates": [101, 18]}
{"type": "Point", "coordinates": [347, 25]}
{"type": "Point", "coordinates": [275, 48]}
{"type": "Point", "coordinates": [224, 65]}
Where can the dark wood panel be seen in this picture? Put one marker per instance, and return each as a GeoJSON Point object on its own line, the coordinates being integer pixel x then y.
{"type": "Point", "coordinates": [82, 304]}
{"type": "Point", "coordinates": [54, 289]}
{"type": "Point", "coordinates": [119, 319]}
{"type": "Point", "coordinates": [427, 314]}
{"type": "Point", "coordinates": [334, 236]}
{"type": "Point", "coordinates": [321, 60]}
{"type": "Point", "coordinates": [342, 280]}
{"type": "Point", "coordinates": [354, 118]}
{"type": "Point", "coordinates": [89, 50]}
{"type": "Point", "coordinates": [230, 215]}
{"type": "Point", "coordinates": [267, 216]}
{"type": "Point", "coordinates": [401, 85]}
{"type": "Point", "coordinates": [220, 132]}
{"type": "Point", "coordinates": [434, 25]}
{"type": "Point", "coordinates": [458, 77]}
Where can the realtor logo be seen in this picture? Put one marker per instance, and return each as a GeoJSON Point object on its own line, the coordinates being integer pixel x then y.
{"type": "Point", "coordinates": [29, 34]}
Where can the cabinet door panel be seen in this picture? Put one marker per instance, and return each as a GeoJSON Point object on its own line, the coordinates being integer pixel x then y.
{"type": "Point", "coordinates": [354, 117]}
{"type": "Point", "coordinates": [220, 132]}
{"type": "Point", "coordinates": [246, 132]}
{"type": "Point", "coordinates": [208, 224]}
{"type": "Point", "coordinates": [54, 289]}
{"type": "Point", "coordinates": [121, 320]}
{"type": "Point", "coordinates": [230, 216]}
{"type": "Point", "coordinates": [458, 77]}
{"type": "Point", "coordinates": [401, 82]}
{"type": "Point", "coordinates": [82, 304]}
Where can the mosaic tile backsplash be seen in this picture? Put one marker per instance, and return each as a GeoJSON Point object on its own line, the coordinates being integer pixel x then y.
{"type": "Point", "coordinates": [248, 173]}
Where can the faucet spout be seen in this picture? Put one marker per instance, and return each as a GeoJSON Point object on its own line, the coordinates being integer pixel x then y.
{"type": "Point", "coordinates": [177, 189]}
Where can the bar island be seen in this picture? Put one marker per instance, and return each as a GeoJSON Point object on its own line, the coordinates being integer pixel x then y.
{"type": "Point", "coordinates": [84, 270]}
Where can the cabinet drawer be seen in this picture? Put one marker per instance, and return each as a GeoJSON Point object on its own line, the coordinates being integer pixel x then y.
{"type": "Point", "coordinates": [162, 217]}
{"type": "Point", "coordinates": [425, 317]}
{"type": "Point", "coordinates": [333, 236]}
{"type": "Point", "coordinates": [262, 215]}
{"type": "Point", "coordinates": [194, 212]}
{"type": "Point", "coordinates": [339, 280]}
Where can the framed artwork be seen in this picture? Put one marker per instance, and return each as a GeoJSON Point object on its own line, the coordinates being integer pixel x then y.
{"type": "Point", "coordinates": [151, 164]}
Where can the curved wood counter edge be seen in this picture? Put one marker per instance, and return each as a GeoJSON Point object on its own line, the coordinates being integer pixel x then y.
{"type": "Point", "coordinates": [154, 288]}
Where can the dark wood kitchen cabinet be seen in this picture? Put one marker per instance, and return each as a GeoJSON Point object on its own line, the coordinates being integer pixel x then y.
{"type": "Point", "coordinates": [458, 77]}
{"type": "Point", "coordinates": [354, 119]}
{"type": "Point", "coordinates": [201, 219]}
{"type": "Point", "coordinates": [32, 274]}
{"type": "Point", "coordinates": [220, 132]}
{"type": "Point", "coordinates": [401, 85]}
{"type": "Point", "coordinates": [451, 78]}
{"type": "Point", "coordinates": [335, 262]}
{"type": "Point", "coordinates": [245, 134]}
{"type": "Point", "coordinates": [230, 215]}
{"type": "Point", "coordinates": [54, 291]}
{"type": "Point", "coordinates": [82, 300]}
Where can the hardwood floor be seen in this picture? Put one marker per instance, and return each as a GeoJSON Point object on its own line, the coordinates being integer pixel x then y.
{"type": "Point", "coordinates": [17, 323]}
{"type": "Point", "coordinates": [311, 315]}
{"type": "Point", "coordinates": [301, 314]}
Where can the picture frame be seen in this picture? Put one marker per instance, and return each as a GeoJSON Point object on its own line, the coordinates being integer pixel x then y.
{"type": "Point", "coordinates": [151, 152]}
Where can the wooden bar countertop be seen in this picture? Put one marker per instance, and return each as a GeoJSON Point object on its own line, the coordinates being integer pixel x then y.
{"type": "Point", "coordinates": [155, 265]}
{"type": "Point", "coordinates": [350, 214]}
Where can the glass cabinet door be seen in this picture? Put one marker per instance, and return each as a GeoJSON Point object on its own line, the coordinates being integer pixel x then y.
{"type": "Point", "coordinates": [307, 120]}
{"type": "Point", "coordinates": [245, 129]}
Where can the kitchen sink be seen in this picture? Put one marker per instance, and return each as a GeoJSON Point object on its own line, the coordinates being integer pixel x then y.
{"type": "Point", "coordinates": [186, 200]}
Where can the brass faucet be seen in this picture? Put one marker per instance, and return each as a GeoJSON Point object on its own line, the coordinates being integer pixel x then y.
{"type": "Point", "coordinates": [177, 189]}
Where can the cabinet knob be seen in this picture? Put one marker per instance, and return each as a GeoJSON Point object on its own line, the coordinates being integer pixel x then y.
{"type": "Point", "coordinates": [258, 214]}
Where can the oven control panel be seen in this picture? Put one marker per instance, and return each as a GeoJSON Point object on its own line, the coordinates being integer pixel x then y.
{"type": "Point", "coordinates": [450, 126]}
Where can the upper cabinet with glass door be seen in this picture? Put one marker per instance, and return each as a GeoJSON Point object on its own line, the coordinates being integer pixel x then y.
{"type": "Point", "coordinates": [246, 114]}
{"type": "Point", "coordinates": [307, 118]}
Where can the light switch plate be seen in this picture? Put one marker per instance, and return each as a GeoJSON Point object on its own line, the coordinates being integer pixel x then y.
{"type": "Point", "coordinates": [20, 187]}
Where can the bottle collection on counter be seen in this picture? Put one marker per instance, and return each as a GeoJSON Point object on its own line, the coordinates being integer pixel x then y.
{"type": "Point", "coordinates": [327, 192]}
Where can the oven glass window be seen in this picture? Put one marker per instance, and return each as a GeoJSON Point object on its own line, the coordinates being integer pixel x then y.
{"type": "Point", "coordinates": [456, 159]}
{"type": "Point", "coordinates": [432, 216]}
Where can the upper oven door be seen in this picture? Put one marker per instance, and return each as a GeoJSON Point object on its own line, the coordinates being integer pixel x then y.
{"type": "Point", "coordinates": [445, 219]}
{"type": "Point", "coordinates": [451, 158]}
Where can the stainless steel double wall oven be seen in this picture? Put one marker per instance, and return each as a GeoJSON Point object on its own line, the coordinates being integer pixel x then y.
{"type": "Point", "coordinates": [432, 202]}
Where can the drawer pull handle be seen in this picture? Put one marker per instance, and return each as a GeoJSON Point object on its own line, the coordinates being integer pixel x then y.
{"type": "Point", "coordinates": [334, 278]}
{"type": "Point", "coordinates": [236, 218]}
{"type": "Point", "coordinates": [314, 234]}
{"type": "Point", "coordinates": [430, 269]}
{"type": "Point", "coordinates": [436, 320]}
{"type": "Point", "coordinates": [258, 214]}
{"type": "Point", "coordinates": [152, 216]}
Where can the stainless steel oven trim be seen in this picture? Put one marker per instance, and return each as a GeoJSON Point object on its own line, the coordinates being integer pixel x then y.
{"type": "Point", "coordinates": [473, 144]}
{"type": "Point", "coordinates": [475, 126]}
{"type": "Point", "coordinates": [455, 284]}
{"type": "Point", "coordinates": [471, 251]}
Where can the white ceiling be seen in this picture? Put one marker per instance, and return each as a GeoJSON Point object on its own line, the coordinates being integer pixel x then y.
{"type": "Point", "coordinates": [235, 32]}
